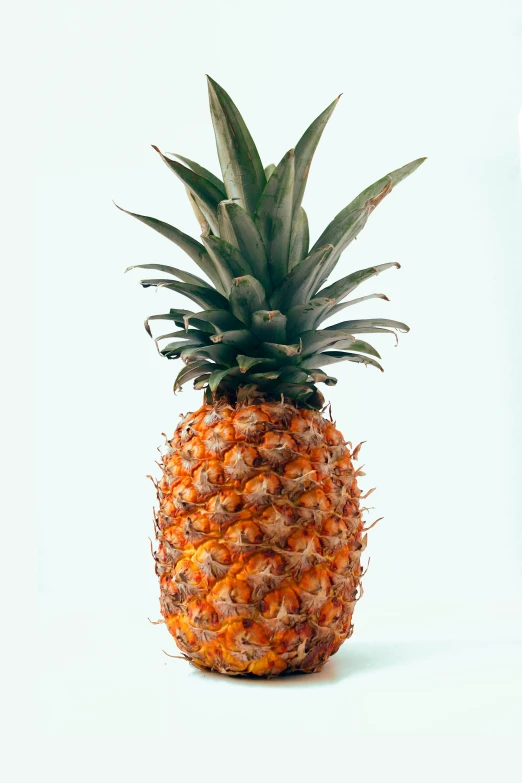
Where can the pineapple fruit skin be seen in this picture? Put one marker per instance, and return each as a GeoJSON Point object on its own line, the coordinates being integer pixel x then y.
{"type": "Point", "coordinates": [259, 535]}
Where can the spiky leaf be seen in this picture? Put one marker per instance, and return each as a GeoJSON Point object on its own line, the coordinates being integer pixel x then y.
{"type": "Point", "coordinates": [274, 217]}
{"type": "Point", "coordinates": [204, 297]}
{"type": "Point", "coordinates": [247, 295]}
{"type": "Point", "coordinates": [304, 317]}
{"type": "Point", "coordinates": [333, 357]}
{"type": "Point", "coordinates": [216, 378]}
{"type": "Point", "coordinates": [318, 340]}
{"type": "Point", "coordinates": [245, 363]}
{"type": "Point", "coordinates": [243, 173]}
{"type": "Point", "coordinates": [198, 211]}
{"type": "Point", "coordinates": [186, 277]}
{"type": "Point", "coordinates": [241, 339]}
{"type": "Point", "coordinates": [269, 325]}
{"type": "Point", "coordinates": [295, 288]}
{"type": "Point", "coordinates": [304, 153]}
{"type": "Point", "coordinates": [352, 219]}
{"type": "Point", "coordinates": [173, 350]}
{"type": "Point", "coordinates": [277, 351]}
{"type": "Point", "coordinates": [362, 323]}
{"type": "Point", "coordinates": [299, 239]}
{"type": "Point", "coordinates": [336, 308]}
{"type": "Point", "coordinates": [213, 321]}
{"type": "Point", "coordinates": [226, 230]}
{"type": "Point", "coordinates": [293, 375]}
{"type": "Point", "coordinates": [249, 242]}
{"type": "Point", "coordinates": [192, 248]}
{"type": "Point", "coordinates": [177, 316]}
{"type": "Point", "coordinates": [206, 192]}
{"type": "Point", "coordinates": [188, 373]}
{"type": "Point", "coordinates": [221, 354]}
{"type": "Point", "coordinates": [227, 257]}
{"type": "Point", "coordinates": [347, 284]}
{"type": "Point", "coordinates": [202, 171]}
{"type": "Point", "coordinates": [191, 335]}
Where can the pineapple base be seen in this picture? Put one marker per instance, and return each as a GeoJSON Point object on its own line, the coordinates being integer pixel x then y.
{"type": "Point", "coordinates": [260, 535]}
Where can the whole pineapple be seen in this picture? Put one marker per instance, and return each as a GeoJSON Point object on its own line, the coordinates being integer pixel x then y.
{"type": "Point", "coordinates": [259, 526]}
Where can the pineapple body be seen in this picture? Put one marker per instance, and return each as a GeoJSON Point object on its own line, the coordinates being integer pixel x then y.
{"type": "Point", "coordinates": [259, 538]}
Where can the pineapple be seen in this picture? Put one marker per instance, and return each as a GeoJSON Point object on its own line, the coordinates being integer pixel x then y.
{"type": "Point", "coordinates": [259, 526]}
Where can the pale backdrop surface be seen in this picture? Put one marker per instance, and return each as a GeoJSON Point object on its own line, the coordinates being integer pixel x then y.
{"type": "Point", "coordinates": [433, 662]}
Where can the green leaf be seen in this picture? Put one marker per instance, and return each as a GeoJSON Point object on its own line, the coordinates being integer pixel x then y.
{"type": "Point", "coordinates": [338, 307]}
{"type": "Point", "coordinates": [273, 217]}
{"type": "Point", "coordinates": [347, 284]}
{"type": "Point", "coordinates": [244, 392]}
{"type": "Point", "coordinates": [353, 357]}
{"type": "Point", "coordinates": [304, 153]}
{"type": "Point", "coordinates": [216, 378]}
{"type": "Point", "coordinates": [213, 321]}
{"type": "Point", "coordinates": [189, 334]}
{"type": "Point", "coordinates": [173, 350]}
{"type": "Point", "coordinates": [171, 270]}
{"type": "Point", "coordinates": [363, 323]}
{"type": "Point", "coordinates": [242, 339]}
{"type": "Point", "coordinates": [295, 288]}
{"type": "Point", "coordinates": [269, 170]}
{"type": "Point", "coordinates": [299, 239]}
{"type": "Point", "coordinates": [293, 390]}
{"type": "Point", "coordinates": [319, 376]}
{"type": "Point", "coordinates": [333, 357]}
{"type": "Point", "coordinates": [174, 315]}
{"type": "Point", "coordinates": [275, 351]}
{"type": "Point", "coordinates": [239, 159]}
{"type": "Point", "coordinates": [204, 297]}
{"type": "Point", "coordinates": [307, 316]}
{"type": "Point", "coordinates": [264, 377]}
{"type": "Point", "coordinates": [249, 242]}
{"type": "Point", "coordinates": [247, 295]}
{"type": "Point", "coordinates": [314, 342]}
{"type": "Point", "coordinates": [201, 382]}
{"type": "Point", "coordinates": [373, 330]}
{"type": "Point", "coordinates": [293, 375]}
{"type": "Point", "coordinates": [200, 217]}
{"type": "Point", "coordinates": [227, 258]}
{"type": "Point", "coordinates": [203, 172]}
{"type": "Point", "coordinates": [360, 346]}
{"type": "Point", "coordinates": [192, 248]}
{"type": "Point", "coordinates": [221, 354]}
{"type": "Point", "coordinates": [269, 325]}
{"type": "Point", "coordinates": [207, 194]}
{"type": "Point", "coordinates": [226, 230]}
{"type": "Point", "coordinates": [188, 373]}
{"type": "Point", "coordinates": [317, 340]}
{"type": "Point", "coordinates": [352, 219]}
{"type": "Point", "coordinates": [246, 362]}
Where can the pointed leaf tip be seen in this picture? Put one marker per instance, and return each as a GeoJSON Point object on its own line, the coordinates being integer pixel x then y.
{"type": "Point", "coordinates": [241, 166]}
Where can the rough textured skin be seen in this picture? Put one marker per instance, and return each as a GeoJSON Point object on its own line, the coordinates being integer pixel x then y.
{"type": "Point", "coordinates": [259, 538]}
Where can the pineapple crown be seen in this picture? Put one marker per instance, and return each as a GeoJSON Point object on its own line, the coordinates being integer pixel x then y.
{"type": "Point", "coordinates": [257, 334]}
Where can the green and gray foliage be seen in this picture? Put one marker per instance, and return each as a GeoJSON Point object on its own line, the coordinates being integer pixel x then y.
{"type": "Point", "coordinates": [265, 299]}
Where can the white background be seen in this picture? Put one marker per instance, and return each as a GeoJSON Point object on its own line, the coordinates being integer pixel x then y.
{"type": "Point", "coordinates": [430, 683]}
